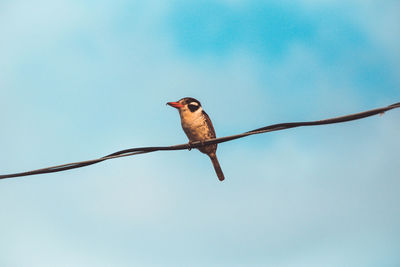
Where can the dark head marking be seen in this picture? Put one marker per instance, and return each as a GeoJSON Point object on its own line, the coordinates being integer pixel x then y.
{"type": "Point", "coordinates": [188, 100]}
{"type": "Point", "coordinates": [193, 106]}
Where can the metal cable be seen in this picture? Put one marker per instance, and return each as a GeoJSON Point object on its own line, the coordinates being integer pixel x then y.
{"type": "Point", "coordinates": [142, 150]}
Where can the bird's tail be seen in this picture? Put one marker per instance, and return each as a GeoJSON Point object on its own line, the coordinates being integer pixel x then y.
{"type": "Point", "coordinates": [217, 167]}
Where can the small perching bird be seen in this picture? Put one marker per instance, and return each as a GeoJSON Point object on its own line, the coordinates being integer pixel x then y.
{"type": "Point", "coordinates": [198, 127]}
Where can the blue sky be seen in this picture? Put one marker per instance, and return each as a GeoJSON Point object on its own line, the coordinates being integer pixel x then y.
{"type": "Point", "coordinates": [81, 79]}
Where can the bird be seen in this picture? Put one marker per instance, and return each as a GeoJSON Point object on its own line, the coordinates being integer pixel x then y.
{"type": "Point", "coordinates": [197, 126]}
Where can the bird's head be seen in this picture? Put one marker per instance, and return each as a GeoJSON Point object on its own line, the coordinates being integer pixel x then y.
{"type": "Point", "coordinates": [187, 104]}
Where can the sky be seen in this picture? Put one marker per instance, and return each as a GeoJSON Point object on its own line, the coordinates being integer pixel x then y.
{"type": "Point", "coordinates": [82, 79]}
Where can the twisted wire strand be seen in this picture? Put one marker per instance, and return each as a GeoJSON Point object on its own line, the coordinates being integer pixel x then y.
{"type": "Point", "coordinates": [197, 144]}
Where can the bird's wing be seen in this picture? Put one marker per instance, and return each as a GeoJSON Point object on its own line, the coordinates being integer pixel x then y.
{"type": "Point", "coordinates": [209, 124]}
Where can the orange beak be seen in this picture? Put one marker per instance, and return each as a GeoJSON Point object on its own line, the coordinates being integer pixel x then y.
{"type": "Point", "coordinates": [175, 104]}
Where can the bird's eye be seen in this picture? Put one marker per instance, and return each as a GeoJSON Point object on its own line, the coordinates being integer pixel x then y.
{"type": "Point", "coordinates": [193, 106]}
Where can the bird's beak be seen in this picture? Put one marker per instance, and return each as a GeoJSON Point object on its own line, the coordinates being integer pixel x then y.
{"type": "Point", "coordinates": [175, 104]}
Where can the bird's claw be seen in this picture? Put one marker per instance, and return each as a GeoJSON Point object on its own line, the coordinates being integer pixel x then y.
{"type": "Point", "coordinates": [189, 146]}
